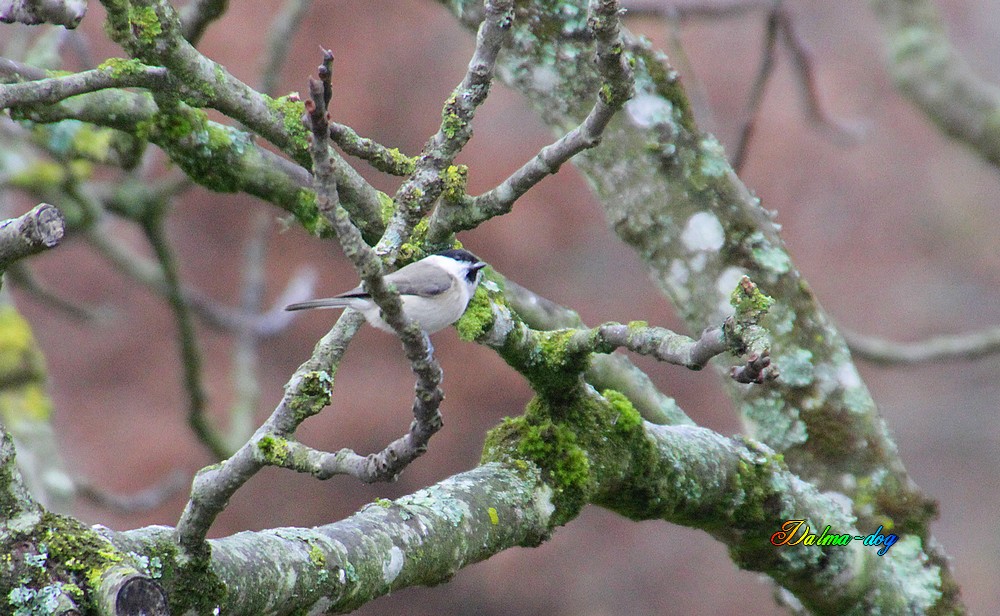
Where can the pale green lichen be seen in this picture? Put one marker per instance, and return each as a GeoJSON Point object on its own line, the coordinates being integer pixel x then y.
{"type": "Point", "coordinates": [908, 561]}
{"type": "Point", "coordinates": [291, 112]}
{"type": "Point", "coordinates": [312, 394]}
{"type": "Point", "coordinates": [455, 178]}
{"type": "Point", "coordinates": [775, 422]}
{"type": "Point", "coordinates": [274, 450]}
{"type": "Point", "coordinates": [120, 67]}
{"type": "Point", "coordinates": [796, 367]}
{"type": "Point", "coordinates": [478, 318]}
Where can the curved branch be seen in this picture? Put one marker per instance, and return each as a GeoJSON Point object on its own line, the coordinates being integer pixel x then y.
{"type": "Point", "coordinates": [55, 89]}
{"type": "Point", "coordinates": [929, 72]}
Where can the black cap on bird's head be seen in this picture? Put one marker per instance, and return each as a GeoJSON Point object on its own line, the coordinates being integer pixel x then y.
{"type": "Point", "coordinates": [460, 255]}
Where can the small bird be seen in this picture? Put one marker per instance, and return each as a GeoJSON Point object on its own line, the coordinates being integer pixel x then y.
{"type": "Point", "coordinates": [434, 290]}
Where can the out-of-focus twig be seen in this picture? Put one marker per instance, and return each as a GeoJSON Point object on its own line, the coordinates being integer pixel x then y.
{"type": "Point", "coordinates": [279, 40]}
{"type": "Point", "coordinates": [246, 376]}
{"type": "Point", "coordinates": [22, 277]}
{"type": "Point", "coordinates": [972, 345]}
{"type": "Point", "coordinates": [187, 340]}
{"type": "Point", "coordinates": [198, 14]}
{"type": "Point", "coordinates": [67, 13]}
{"type": "Point", "coordinates": [148, 498]}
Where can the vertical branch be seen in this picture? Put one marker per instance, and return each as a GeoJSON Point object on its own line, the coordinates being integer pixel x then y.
{"type": "Point", "coordinates": [152, 226]}
{"type": "Point", "coordinates": [417, 347]}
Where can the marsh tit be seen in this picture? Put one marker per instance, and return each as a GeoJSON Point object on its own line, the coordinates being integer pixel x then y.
{"type": "Point", "coordinates": [434, 290]}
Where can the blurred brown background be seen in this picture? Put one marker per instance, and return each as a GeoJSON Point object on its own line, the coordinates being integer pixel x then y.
{"type": "Point", "coordinates": [896, 235]}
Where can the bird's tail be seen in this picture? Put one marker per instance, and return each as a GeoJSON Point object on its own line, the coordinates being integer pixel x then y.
{"type": "Point", "coordinates": [329, 302]}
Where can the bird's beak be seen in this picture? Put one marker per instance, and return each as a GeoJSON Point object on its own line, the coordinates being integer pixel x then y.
{"type": "Point", "coordinates": [478, 266]}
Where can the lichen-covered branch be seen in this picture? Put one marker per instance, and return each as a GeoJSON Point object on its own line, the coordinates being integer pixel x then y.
{"type": "Point", "coordinates": [55, 89]}
{"type": "Point", "coordinates": [306, 393]}
{"type": "Point", "coordinates": [617, 87]}
{"type": "Point", "coordinates": [668, 191]}
{"type": "Point", "coordinates": [427, 182]}
{"type": "Point", "coordinates": [613, 371]}
{"type": "Point", "coordinates": [554, 361]}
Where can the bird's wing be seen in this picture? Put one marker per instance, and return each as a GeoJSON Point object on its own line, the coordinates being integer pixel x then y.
{"type": "Point", "coordinates": [432, 279]}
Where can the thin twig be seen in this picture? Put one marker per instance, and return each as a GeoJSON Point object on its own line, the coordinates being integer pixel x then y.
{"type": "Point", "coordinates": [198, 14]}
{"type": "Point", "coordinates": [214, 314]}
{"type": "Point", "coordinates": [246, 377]}
{"type": "Point", "coordinates": [690, 11]}
{"type": "Point", "coordinates": [764, 72]}
{"type": "Point", "coordinates": [23, 278]}
{"type": "Point", "coordinates": [421, 190]}
{"type": "Point", "coordinates": [187, 341]}
{"type": "Point", "coordinates": [148, 498]}
{"type": "Point", "coordinates": [386, 160]}
{"type": "Point", "coordinates": [279, 40]}
{"type": "Point", "coordinates": [972, 345]}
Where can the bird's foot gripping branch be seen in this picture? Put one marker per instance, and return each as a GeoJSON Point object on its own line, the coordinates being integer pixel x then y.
{"type": "Point", "coordinates": [591, 446]}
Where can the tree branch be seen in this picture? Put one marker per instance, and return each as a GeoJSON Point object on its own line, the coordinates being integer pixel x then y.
{"type": "Point", "coordinates": [54, 89]}
{"type": "Point", "coordinates": [427, 418]}
{"type": "Point", "coordinates": [616, 88]}
{"type": "Point", "coordinates": [929, 72]}
{"type": "Point", "coordinates": [973, 345]}
{"type": "Point", "coordinates": [67, 13]}
{"type": "Point", "coordinates": [38, 230]}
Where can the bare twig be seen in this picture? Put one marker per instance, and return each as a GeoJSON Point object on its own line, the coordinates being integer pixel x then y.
{"type": "Point", "coordinates": [756, 95]}
{"type": "Point", "coordinates": [245, 361]}
{"type": "Point", "coordinates": [214, 314]}
{"type": "Point", "coordinates": [689, 10]}
{"type": "Point", "coordinates": [198, 14]}
{"type": "Point", "coordinates": [972, 345]}
{"type": "Point", "coordinates": [187, 341]}
{"type": "Point", "coordinates": [802, 61]}
{"type": "Point", "coordinates": [22, 277]}
{"type": "Point", "coordinates": [148, 498]}
{"type": "Point", "coordinates": [279, 40]}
